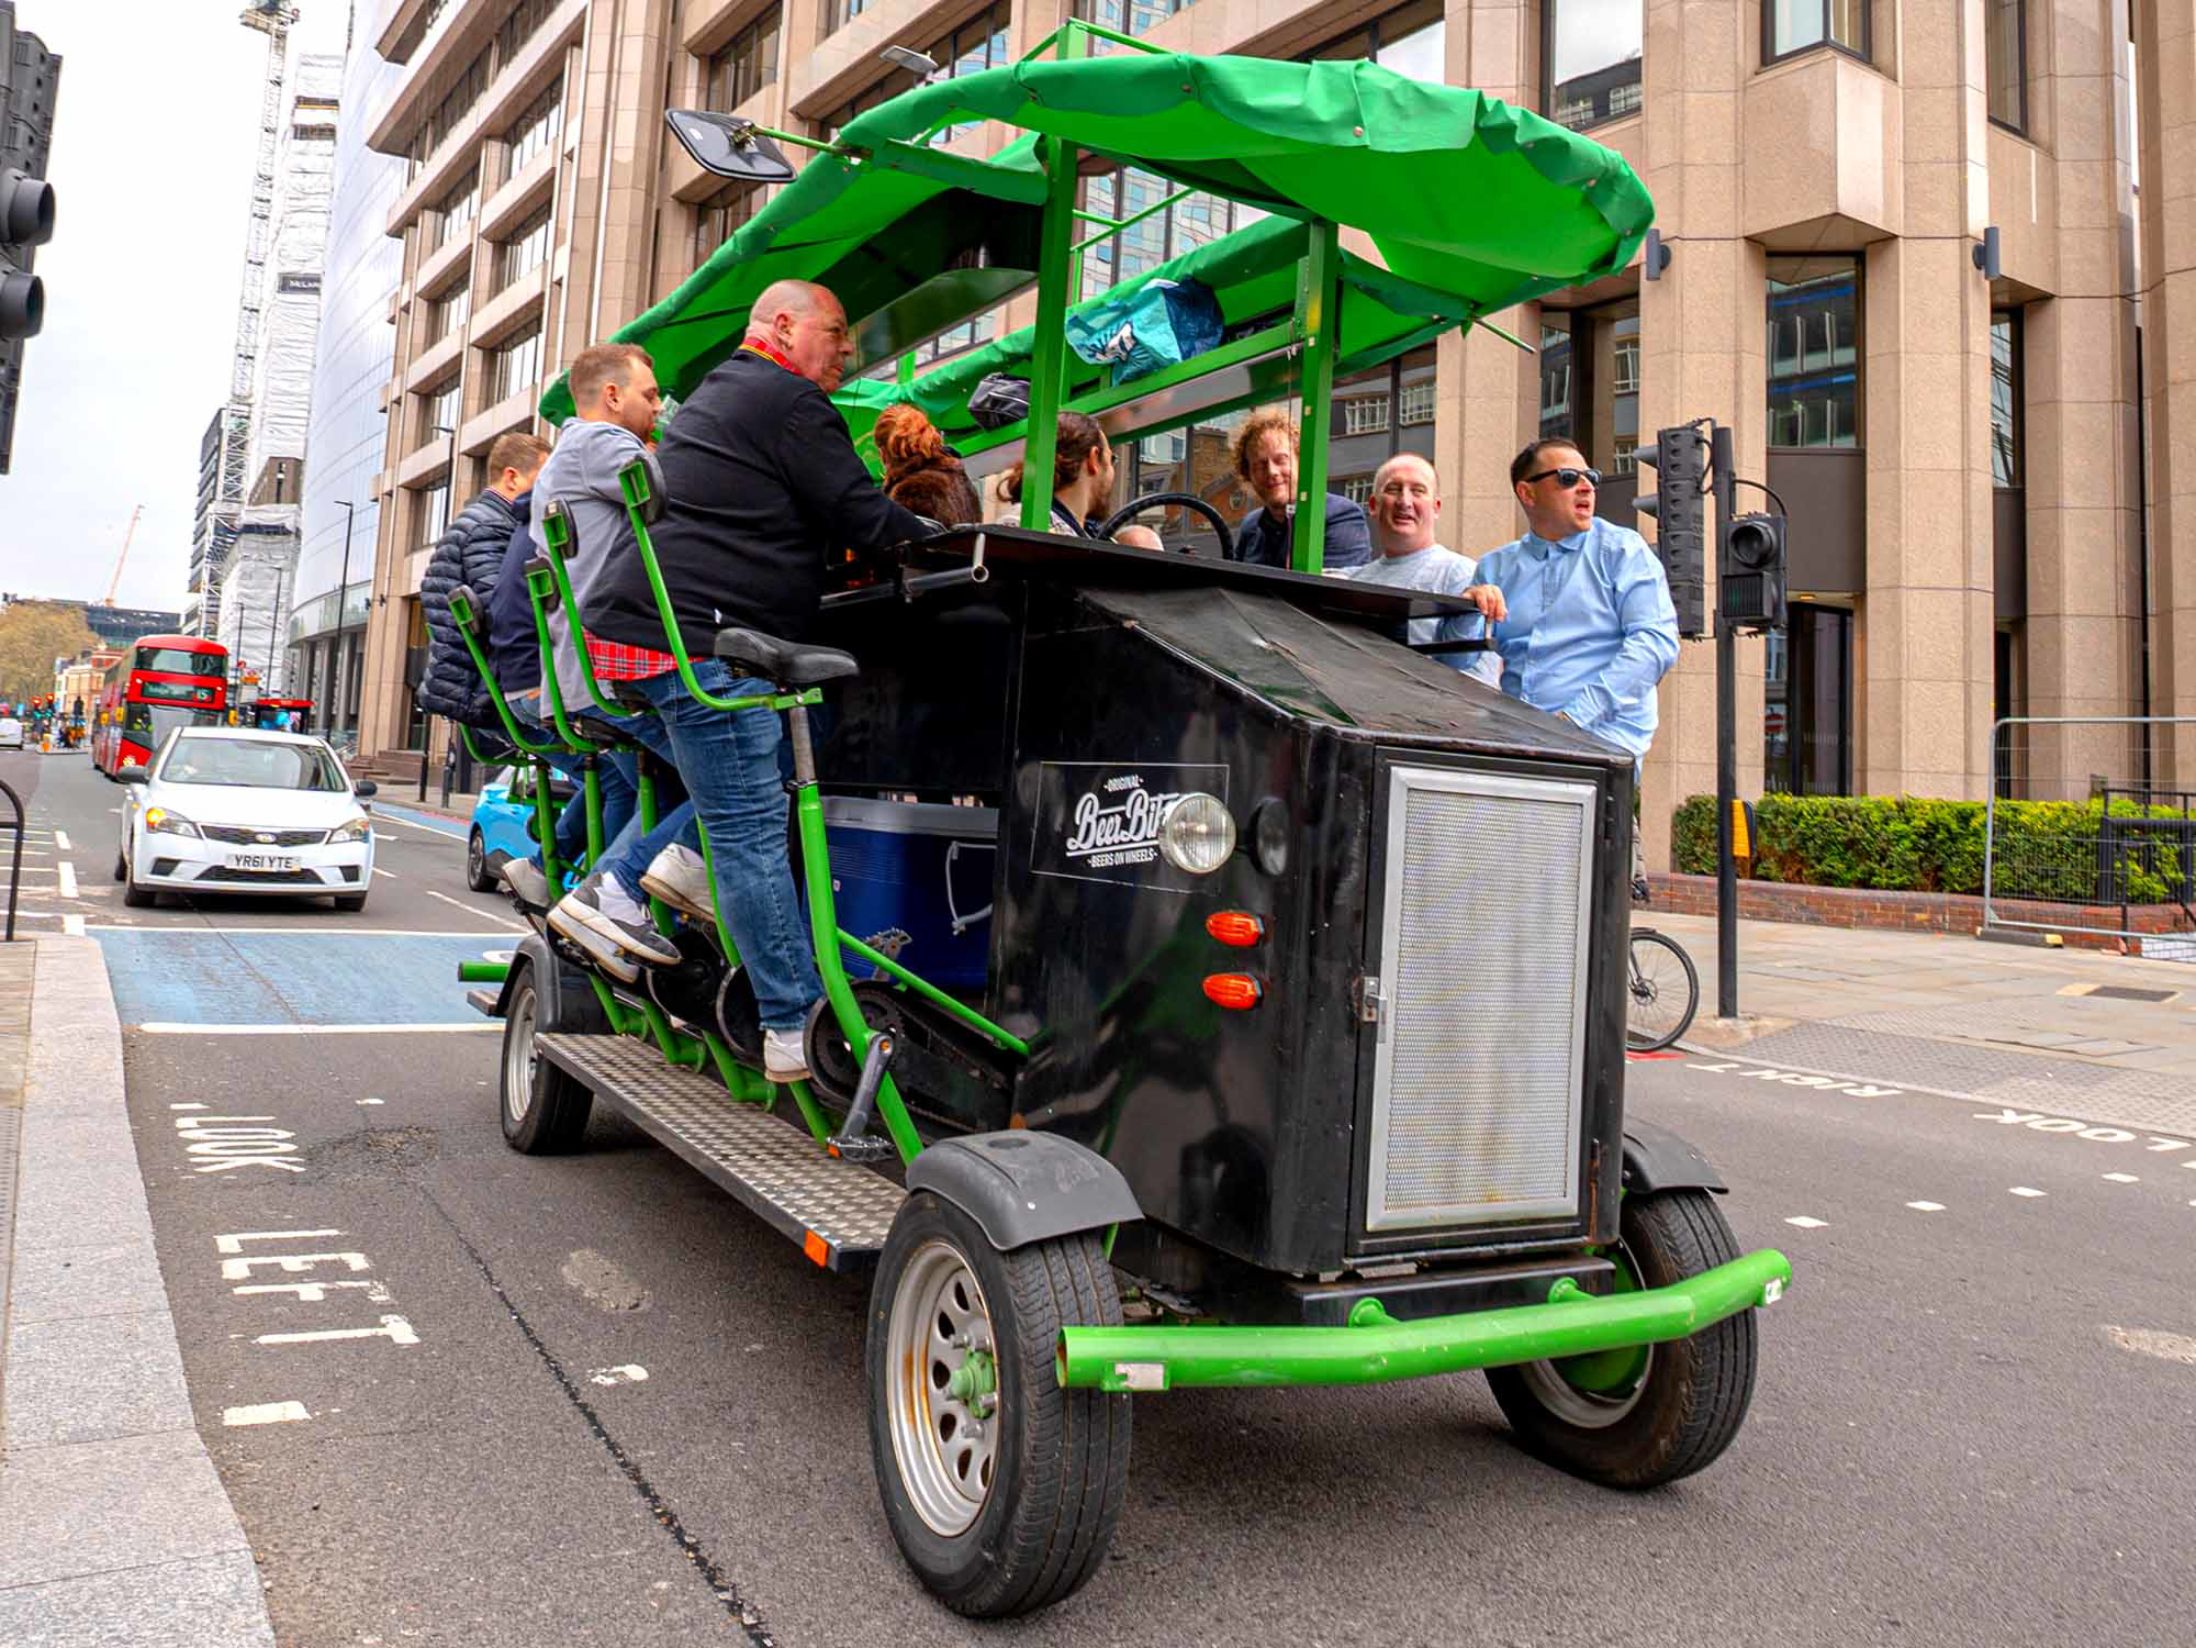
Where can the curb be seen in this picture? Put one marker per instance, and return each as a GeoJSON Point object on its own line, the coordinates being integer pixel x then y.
{"type": "Point", "coordinates": [114, 1525]}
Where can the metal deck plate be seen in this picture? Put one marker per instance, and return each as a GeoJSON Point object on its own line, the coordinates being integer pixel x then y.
{"type": "Point", "coordinates": [838, 1212]}
{"type": "Point", "coordinates": [483, 1001]}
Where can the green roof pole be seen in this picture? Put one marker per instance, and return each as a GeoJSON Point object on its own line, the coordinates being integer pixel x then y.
{"type": "Point", "coordinates": [1048, 358]}
{"type": "Point", "coordinates": [1319, 324]}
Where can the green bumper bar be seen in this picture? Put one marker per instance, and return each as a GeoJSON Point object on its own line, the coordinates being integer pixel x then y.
{"type": "Point", "coordinates": [483, 972]}
{"type": "Point", "coordinates": [1375, 1347]}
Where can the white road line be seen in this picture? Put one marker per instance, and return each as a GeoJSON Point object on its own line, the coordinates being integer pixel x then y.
{"type": "Point", "coordinates": [1806, 1223]}
{"type": "Point", "coordinates": [61, 840]}
{"type": "Point", "coordinates": [2026, 1190]}
{"type": "Point", "coordinates": [514, 926]}
{"type": "Point", "coordinates": [2167, 1347]}
{"type": "Point", "coordinates": [393, 1328]}
{"type": "Point", "coordinates": [287, 928]}
{"type": "Point", "coordinates": [2122, 1178]}
{"type": "Point", "coordinates": [73, 926]}
{"type": "Point", "coordinates": [366, 1101]}
{"type": "Point", "coordinates": [391, 874]}
{"type": "Point", "coordinates": [68, 879]}
{"type": "Point", "coordinates": [408, 824]}
{"type": "Point", "coordinates": [165, 1029]}
{"type": "Point", "coordinates": [264, 1413]}
{"type": "Point", "coordinates": [1926, 1207]}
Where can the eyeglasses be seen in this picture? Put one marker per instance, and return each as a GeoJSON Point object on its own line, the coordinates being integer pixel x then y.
{"type": "Point", "coordinates": [1567, 478]}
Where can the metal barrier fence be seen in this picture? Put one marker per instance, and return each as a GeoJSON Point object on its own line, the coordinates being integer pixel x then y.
{"type": "Point", "coordinates": [2117, 859]}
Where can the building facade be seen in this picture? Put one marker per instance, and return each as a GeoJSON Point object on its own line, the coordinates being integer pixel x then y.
{"type": "Point", "coordinates": [1980, 526]}
{"type": "Point", "coordinates": [340, 513]}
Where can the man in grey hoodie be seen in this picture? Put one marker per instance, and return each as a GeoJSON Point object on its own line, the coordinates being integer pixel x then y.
{"type": "Point", "coordinates": [616, 401]}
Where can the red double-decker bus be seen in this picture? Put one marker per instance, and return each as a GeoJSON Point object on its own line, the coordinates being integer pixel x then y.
{"type": "Point", "coordinates": [160, 682]}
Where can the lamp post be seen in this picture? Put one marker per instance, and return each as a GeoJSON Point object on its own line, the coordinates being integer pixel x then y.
{"type": "Point", "coordinates": [274, 620]}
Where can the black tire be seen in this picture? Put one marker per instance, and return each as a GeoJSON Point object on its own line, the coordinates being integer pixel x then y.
{"type": "Point", "coordinates": [548, 1111]}
{"type": "Point", "coordinates": [1058, 1460]}
{"type": "Point", "coordinates": [1661, 991]}
{"type": "Point", "coordinates": [350, 901]}
{"type": "Point", "coordinates": [121, 866]}
{"type": "Point", "coordinates": [1691, 1397]}
{"type": "Point", "coordinates": [136, 897]}
{"type": "Point", "coordinates": [477, 874]}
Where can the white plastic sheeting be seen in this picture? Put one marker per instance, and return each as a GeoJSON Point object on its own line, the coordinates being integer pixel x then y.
{"type": "Point", "coordinates": [256, 589]}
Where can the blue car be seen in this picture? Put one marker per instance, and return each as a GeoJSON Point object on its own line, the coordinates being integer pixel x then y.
{"type": "Point", "coordinates": [503, 824]}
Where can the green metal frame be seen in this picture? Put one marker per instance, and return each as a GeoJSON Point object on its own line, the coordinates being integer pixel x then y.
{"type": "Point", "coordinates": [1376, 1348]}
{"type": "Point", "coordinates": [465, 615]}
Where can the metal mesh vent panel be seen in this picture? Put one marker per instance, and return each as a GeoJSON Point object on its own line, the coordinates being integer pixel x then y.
{"type": "Point", "coordinates": [1476, 1097]}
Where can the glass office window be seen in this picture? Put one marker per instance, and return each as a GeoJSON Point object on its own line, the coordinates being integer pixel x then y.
{"type": "Point", "coordinates": [2005, 397]}
{"type": "Point", "coordinates": [1807, 703]}
{"type": "Point", "coordinates": [1790, 26]}
{"type": "Point", "coordinates": [454, 215]}
{"type": "Point", "coordinates": [716, 218]}
{"type": "Point", "coordinates": [1411, 40]}
{"type": "Point", "coordinates": [449, 312]}
{"type": "Point", "coordinates": [748, 63]}
{"type": "Point", "coordinates": [1190, 222]}
{"type": "Point", "coordinates": [1814, 352]}
{"type": "Point", "coordinates": [535, 130]}
{"type": "Point", "coordinates": [1592, 53]}
{"type": "Point", "coordinates": [517, 366]}
{"type": "Point", "coordinates": [439, 410]}
{"type": "Point", "coordinates": [526, 250]}
{"type": "Point", "coordinates": [2005, 58]}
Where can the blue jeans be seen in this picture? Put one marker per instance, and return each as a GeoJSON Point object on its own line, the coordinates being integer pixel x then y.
{"type": "Point", "coordinates": [730, 764]}
{"type": "Point", "coordinates": [628, 854]}
{"type": "Point", "coordinates": [614, 780]}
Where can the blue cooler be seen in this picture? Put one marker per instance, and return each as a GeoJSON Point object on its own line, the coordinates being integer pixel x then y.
{"type": "Point", "coordinates": [921, 869]}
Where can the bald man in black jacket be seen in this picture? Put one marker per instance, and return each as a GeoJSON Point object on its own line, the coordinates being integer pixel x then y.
{"type": "Point", "coordinates": [761, 484]}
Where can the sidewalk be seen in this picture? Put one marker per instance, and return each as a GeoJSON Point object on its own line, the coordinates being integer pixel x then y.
{"type": "Point", "coordinates": [2076, 1033]}
{"type": "Point", "coordinates": [114, 1527]}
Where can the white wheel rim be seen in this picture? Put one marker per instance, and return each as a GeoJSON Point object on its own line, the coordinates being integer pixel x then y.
{"type": "Point", "coordinates": [518, 1055]}
{"type": "Point", "coordinates": [945, 1427]}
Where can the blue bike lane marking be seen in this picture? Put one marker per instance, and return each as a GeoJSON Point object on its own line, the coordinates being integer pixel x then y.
{"type": "Point", "coordinates": [242, 979]}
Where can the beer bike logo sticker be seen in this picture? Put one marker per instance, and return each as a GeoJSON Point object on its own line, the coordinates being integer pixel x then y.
{"type": "Point", "coordinates": [1099, 821]}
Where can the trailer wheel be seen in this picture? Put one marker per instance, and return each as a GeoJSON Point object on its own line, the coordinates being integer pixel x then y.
{"type": "Point", "coordinates": [1640, 1418]}
{"type": "Point", "coordinates": [1001, 1488]}
{"type": "Point", "coordinates": [544, 1109]}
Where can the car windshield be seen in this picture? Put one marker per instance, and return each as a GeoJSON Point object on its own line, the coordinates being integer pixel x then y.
{"type": "Point", "coordinates": [261, 765]}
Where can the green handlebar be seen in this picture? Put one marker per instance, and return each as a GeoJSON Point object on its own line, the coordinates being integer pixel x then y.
{"type": "Point", "coordinates": [1376, 1348]}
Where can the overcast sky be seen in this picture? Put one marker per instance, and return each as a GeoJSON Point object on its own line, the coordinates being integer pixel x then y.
{"type": "Point", "coordinates": [151, 168]}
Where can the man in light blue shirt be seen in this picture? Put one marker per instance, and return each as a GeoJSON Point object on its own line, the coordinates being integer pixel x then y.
{"type": "Point", "coordinates": [1590, 627]}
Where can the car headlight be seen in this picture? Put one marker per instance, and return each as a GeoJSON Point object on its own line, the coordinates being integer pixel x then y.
{"type": "Point", "coordinates": [360, 828]}
{"type": "Point", "coordinates": [163, 822]}
{"type": "Point", "coordinates": [1197, 834]}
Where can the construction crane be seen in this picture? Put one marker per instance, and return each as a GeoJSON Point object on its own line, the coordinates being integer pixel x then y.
{"type": "Point", "coordinates": [115, 582]}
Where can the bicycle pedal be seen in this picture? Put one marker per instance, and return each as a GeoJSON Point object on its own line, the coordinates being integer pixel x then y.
{"type": "Point", "coordinates": [862, 1150]}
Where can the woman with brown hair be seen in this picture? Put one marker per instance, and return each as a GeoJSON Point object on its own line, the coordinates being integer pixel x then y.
{"type": "Point", "coordinates": [920, 473]}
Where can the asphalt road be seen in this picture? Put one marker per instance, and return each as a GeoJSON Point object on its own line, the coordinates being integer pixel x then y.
{"type": "Point", "coordinates": [589, 1400]}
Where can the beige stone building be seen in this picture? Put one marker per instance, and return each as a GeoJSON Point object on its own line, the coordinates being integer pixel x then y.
{"type": "Point", "coordinates": [1980, 526]}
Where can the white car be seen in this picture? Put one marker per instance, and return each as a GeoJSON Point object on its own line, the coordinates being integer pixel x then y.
{"type": "Point", "coordinates": [11, 733]}
{"type": "Point", "coordinates": [233, 810]}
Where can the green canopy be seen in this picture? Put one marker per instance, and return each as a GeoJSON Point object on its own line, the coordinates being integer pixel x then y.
{"type": "Point", "coordinates": [1471, 205]}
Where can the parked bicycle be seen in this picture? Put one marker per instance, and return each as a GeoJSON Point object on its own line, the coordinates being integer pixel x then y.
{"type": "Point", "coordinates": [1663, 990]}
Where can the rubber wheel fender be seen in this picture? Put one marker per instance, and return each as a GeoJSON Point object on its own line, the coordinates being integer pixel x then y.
{"type": "Point", "coordinates": [1696, 1390]}
{"type": "Point", "coordinates": [1060, 1472]}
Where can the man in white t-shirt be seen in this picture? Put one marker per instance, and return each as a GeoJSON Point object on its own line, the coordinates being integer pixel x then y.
{"type": "Point", "coordinates": [1404, 508]}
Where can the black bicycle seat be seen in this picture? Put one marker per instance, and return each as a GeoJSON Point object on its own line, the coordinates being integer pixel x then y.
{"type": "Point", "coordinates": [785, 662]}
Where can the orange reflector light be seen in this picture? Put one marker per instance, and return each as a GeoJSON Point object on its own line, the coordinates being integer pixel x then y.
{"type": "Point", "coordinates": [1236, 990]}
{"type": "Point", "coordinates": [1235, 927]}
{"type": "Point", "coordinates": [817, 1249]}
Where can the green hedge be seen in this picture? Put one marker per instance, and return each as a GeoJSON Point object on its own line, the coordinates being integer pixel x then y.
{"type": "Point", "coordinates": [2046, 849]}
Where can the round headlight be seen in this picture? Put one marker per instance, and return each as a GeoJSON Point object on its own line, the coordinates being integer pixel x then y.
{"type": "Point", "coordinates": [1270, 835]}
{"type": "Point", "coordinates": [1197, 834]}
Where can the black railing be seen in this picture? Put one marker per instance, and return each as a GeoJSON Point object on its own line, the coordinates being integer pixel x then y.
{"type": "Point", "coordinates": [15, 861]}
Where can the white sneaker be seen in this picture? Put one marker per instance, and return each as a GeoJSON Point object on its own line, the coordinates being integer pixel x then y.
{"type": "Point", "coordinates": [785, 1056]}
{"type": "Point", "coordinates": [679, 877]}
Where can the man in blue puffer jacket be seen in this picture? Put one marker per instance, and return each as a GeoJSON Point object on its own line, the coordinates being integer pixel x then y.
{"type": "Point", "coordinates": [470, 553]}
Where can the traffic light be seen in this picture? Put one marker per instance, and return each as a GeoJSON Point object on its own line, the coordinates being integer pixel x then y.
{"type": "Point", "coordinates": [1751, 578]}
{"type": "Point", "coordinates": [32, 77]}
{"type": "Point", "coordinates": [1680, 511]}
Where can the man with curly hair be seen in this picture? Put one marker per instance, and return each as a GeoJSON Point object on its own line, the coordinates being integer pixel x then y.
{"type": "Point", "coordinates": [1265, 457]}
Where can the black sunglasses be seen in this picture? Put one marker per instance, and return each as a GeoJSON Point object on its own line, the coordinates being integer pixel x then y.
{"type": "Point", "coordinates": [1567, 478]}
